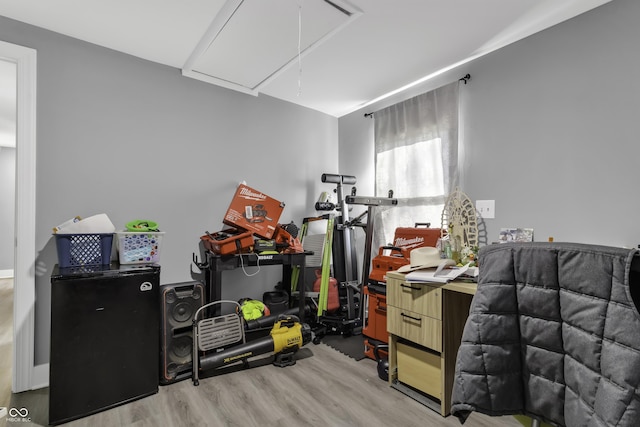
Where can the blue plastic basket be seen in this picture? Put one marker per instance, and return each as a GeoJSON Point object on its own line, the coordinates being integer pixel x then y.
{"type": "Point", "coordinates": [76, 250]}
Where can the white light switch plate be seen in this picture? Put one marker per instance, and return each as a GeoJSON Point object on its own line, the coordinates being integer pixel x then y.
{"type": "Point", "coordinates": [486, 208]}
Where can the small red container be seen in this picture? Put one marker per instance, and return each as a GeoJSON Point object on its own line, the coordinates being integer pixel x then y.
{"type": "Point", "coordinates": [333, 297]}
{"type": "Point", "coordinates": [389, 258]}
{"type": "Point", "coordinates": [228, 241]}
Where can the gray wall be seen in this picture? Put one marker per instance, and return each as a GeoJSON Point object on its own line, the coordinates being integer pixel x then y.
{"type": "Point", "coordinates": [7, 206]}
{"type": "Point", "coordinates": [549, 130]}
{"type": "Point", "coordinates": [134, 139]}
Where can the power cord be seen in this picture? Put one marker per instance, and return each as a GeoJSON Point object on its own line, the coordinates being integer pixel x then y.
{"type": "Point", "coordinates": [243, 268]}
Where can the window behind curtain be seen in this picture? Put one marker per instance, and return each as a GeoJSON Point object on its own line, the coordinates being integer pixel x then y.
{"type": "Point", "coordinates": [417, 157]}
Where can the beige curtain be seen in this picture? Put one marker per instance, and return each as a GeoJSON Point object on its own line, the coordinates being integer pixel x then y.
{"type": "Point", "coordinates": [417, 157]}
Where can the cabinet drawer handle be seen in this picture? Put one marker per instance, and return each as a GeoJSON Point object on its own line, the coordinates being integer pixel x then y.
{"type": "Point", "coordinates": [411, 317]}
{"type": "Point", "coordinates": [410, 287]}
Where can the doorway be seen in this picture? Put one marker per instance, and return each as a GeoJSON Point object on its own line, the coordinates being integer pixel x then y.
{"type": "Point", "coordinates": [25, 375]}
{"type": "Point", "coordinates": [8, 89]}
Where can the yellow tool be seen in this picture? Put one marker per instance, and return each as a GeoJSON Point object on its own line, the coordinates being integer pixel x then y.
{"type": "Point", "coordinates": [286, 337]}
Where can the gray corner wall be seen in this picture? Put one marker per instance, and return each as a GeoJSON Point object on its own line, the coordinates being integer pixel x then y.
{"type": "Point", "coordinates": [549, 130]}
{"type": "Point", "coordinates": [136, 140]}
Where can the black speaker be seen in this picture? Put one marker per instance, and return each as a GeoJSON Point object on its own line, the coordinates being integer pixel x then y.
{"type": "Point", "coordinates": [179, 303]}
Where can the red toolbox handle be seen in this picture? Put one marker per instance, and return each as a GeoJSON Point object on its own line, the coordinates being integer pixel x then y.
{"type": "Point", "coordinates": [425, 224]}
{"type": "Point", "coordinates": [401, 251]}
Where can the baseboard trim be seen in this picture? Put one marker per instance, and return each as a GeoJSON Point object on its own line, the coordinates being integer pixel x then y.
{"type": "Point", "coordinates": [6, 274]}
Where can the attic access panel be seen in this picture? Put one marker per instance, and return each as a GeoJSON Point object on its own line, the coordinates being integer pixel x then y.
{"type": "Point", "coordinates": [250, 42]}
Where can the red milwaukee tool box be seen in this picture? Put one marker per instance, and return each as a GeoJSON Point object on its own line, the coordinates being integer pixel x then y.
{"type": "Point", "coordinates": [228, 241]}
{"type": "Point", "coordinates": [254, 211]}
{"type": "Point", "coordinates": [415, 237]}
{"type": "Point", "coordinates": [391, 258]}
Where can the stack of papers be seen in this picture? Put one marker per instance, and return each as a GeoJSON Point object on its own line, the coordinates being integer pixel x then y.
{"type": "Point", "coordinates": [439, 275]}
{"type": "Point", "coordinates": [96, 224]}
{"type": "Point", "coordinates": [471, 273]}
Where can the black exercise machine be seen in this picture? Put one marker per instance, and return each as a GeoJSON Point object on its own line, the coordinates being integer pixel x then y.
{"type": "Point", "coordinates": [349, 319]}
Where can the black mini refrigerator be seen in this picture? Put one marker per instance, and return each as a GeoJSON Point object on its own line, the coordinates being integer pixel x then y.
{"type": "Point", "coordinates": [105, 329]}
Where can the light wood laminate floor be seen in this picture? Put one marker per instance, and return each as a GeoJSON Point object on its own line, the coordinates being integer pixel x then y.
{"type": "Point", "coordinates": [324, 388]}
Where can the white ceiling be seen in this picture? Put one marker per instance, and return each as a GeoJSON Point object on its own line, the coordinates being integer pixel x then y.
{"type": "Point", "coordinates": [304, 51]}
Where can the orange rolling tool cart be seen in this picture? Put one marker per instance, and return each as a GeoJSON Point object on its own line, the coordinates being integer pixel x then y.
{"type": "Point", "coordinates": [390, 258]}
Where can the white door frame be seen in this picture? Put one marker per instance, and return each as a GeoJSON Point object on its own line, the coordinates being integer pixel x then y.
{"type": "Point", "coordinates": [25, 375]}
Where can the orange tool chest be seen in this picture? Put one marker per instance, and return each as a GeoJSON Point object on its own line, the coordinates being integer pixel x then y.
{"type": "Point", "coordinates": [228, 241]}
{"type": "Point", "coordinates": [390, 258]}
{"type": "Point", "coordinates": [375, 325]}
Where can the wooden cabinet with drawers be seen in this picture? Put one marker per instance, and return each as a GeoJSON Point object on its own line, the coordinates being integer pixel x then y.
{"type": "Point", "coordinates": [425, 323]}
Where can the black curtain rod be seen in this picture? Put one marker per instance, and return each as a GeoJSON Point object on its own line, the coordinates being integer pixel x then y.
{"type": "Point", "coordinates": [464, 79]}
